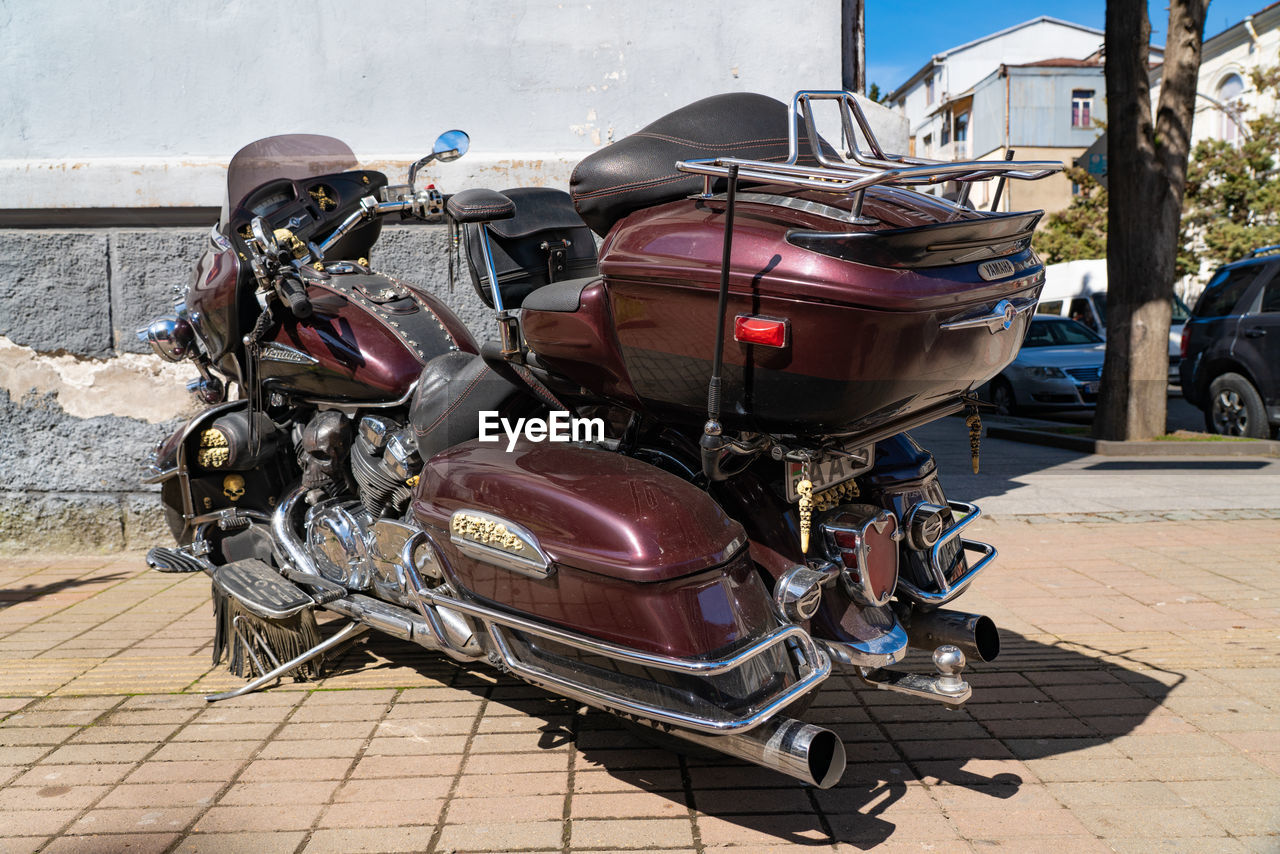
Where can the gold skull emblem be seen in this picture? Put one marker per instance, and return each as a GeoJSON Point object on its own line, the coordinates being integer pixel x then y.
{"type": "Point", "coordinates": [233, 487]}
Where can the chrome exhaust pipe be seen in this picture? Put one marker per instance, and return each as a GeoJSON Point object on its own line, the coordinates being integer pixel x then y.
{"type": "Point", "coordinates": [975, 634]}
{"type": "Point", "coordinates": [811, 754]}
{"type": "Point", "coordinates": [282, 531]}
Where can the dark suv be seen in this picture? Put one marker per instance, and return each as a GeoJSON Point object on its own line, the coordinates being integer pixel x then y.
{"type": "Point", "coordinates": [1231, 348]}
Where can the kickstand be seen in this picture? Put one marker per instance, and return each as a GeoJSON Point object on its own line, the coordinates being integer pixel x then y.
{"type": "Point", "coordinates": [347, 632]}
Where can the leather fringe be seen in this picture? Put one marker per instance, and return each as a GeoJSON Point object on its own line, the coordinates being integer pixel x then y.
{"type": "Point", "coordinates": [287, 638]}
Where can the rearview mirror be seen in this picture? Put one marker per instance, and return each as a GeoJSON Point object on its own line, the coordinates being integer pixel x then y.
{"type": "Point", "coordinates": [451, 145]}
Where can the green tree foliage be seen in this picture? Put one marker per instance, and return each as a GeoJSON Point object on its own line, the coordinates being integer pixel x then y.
{"type": "Point", "coordinates": [1233, 191]}
{"type": "Point", "coordinates": [876, 95]}
{"type": "Point", "coordinates": [1079, 230]}
{"type": "Point", "coordinates": [1232, 202]}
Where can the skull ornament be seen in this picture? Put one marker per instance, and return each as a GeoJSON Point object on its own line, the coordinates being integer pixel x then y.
{"type": "Point", "coordinates": [233, 487]}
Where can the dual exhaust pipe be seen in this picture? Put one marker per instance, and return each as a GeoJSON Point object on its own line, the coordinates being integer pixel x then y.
{"type": "Point", "coordinates": [815, 755]}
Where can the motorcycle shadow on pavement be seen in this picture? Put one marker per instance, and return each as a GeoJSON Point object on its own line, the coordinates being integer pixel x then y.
{"type": "Point", "coordinates": [13, 595]}
{"type": "Point", "coordinates": [1039, 703]}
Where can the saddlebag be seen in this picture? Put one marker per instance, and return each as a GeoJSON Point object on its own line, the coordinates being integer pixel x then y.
{"type": "Point", "coordinates": [546, 241]}
{"type": "Point", "coordinates": [594, 541]}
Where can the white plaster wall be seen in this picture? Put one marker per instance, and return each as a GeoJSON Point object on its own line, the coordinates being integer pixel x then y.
{"type": "Point", "coordinates": [142, 102]}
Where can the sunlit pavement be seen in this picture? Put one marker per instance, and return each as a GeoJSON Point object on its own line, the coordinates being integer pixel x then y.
{"type": "Point", "coordinates": [1136, 707]}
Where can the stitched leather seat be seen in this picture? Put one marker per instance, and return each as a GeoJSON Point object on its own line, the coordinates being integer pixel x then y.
{"type": "Point", "coordinates": [639, 171]}
{"type": "Point", "coordinates": [452, 391]}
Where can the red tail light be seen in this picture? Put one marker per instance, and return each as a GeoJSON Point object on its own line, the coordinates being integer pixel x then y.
{"type": "Point", "coordinates": [1182, 345]}
{"type": "Point", "coordinates": [864, 539]}
{"type": "Point", "coordinates": [767, 331]}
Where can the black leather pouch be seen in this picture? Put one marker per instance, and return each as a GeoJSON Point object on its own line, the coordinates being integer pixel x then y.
{"type": "Point", "coordinates": [546, 241]}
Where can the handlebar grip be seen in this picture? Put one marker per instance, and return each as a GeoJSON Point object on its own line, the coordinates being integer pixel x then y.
{"type": "Point", "coordinates": [295, 293]}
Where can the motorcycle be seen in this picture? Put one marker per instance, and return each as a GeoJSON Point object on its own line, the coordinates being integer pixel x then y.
{"type": "Point", "coordinates": [709, 499]}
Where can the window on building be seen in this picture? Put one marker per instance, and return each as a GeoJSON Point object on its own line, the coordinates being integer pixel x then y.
{"type": "Point", "coordinates": [945, 134]}
{"type": "Point", "coordinates": [928, 90]}
{"type": "Point", "coordinates": [962, 127]}
{"type": "Point", "coordinates": [1082, 108]}
{"type": "Point", "coordinates": [928, 144]}
{"type": "Point", "coordinates": [1229, 91]}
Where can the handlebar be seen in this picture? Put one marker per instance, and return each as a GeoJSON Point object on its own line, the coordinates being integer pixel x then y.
{"type": "Point", "coordinates": [425, 204]}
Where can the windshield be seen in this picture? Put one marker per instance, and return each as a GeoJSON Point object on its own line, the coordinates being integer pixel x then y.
{"type": "Point", "coordinates": [1058, 333]}
{"type": "Point", "coordinates": [293, 156]}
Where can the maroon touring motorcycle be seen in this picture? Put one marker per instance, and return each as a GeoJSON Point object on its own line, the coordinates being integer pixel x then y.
{"type": "Point", "coordinates": [742, 511]}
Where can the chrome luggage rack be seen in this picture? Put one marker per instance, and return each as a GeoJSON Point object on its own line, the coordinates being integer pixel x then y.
{"type": "Point", "coordinates": [870, 167]}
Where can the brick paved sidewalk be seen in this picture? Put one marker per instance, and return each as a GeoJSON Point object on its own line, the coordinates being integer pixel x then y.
{"type": "Point", "coordinates": [1136, 708]}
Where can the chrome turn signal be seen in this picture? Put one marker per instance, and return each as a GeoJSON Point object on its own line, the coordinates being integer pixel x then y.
{"type": "Point", "coordinates": [925, 523]}
{"type": "Point", "coordinates": [798, 592]}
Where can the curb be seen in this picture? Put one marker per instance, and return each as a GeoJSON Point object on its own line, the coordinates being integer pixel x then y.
{"type": "Point", "coordinates": [1109, 448]}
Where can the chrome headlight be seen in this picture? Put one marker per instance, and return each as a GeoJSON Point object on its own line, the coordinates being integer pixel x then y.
{"type": "Point", "coordinates": [171, 338]}
{"type": "Point", "coordinates": [1046, 372]}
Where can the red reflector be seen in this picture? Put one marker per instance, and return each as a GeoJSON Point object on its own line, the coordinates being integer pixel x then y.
{"type": "Point", "coordinates": [768, 331]}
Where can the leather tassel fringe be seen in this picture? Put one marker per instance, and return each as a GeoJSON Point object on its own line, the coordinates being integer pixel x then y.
{"type": "Point", "coordinates": [287, 638]}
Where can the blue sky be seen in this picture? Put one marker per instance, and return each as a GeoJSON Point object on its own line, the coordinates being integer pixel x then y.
{"type": "Point", "coordinates": [901, 36]}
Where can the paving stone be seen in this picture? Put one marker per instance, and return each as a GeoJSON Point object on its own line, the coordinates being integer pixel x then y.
{"type": "Point", "coordinates": [133, 843]}
{"type": "Point", "coordinates": [416, 813]}
{"type": "Point", "coordinates": [368, 840]}
{"type": "Point", "coordinates": [199, 751]}
{"type": "Point", "coordinates": [24, 844]}
{"type": "Point", "coordinates": [621, 834]}
{"type": "Point", "coordinates": [264, 770]}
{"type": "Point", "coordinates": [156, 771]}
{"type": "Point", "coordinates": [757, 833]}
{"type": "Point", "coordinates": [239, 843]}
{"type": "Point", "coordinates": [136, 820]}
{"type": "Point", "coordinates": [522, 836]}
{"type": "Point", "coordinates": [259, 817]}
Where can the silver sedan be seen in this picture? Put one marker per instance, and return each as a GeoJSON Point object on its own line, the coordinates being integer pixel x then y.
{"type": "Point", "coordinates": [1058, 368]}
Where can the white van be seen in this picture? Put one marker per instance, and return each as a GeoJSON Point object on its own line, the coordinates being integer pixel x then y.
{"type": "Point", "coordinates": [1078, 290]}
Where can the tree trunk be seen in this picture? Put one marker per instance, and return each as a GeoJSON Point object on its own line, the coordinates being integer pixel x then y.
{"type": "Point", "coordinates": [853, 47]}
{"type": "Point", "coordinates": [1147, 174]}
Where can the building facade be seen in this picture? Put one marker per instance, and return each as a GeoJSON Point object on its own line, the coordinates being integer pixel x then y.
{"type": "Point", "coordinates": [1048, 110]}
{"type": "Point", "coordinates": [1226, 97]}
{"type": "Point", "coordinates": [934, 98]}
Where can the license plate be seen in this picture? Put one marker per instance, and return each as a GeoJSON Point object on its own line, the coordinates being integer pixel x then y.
{"type": "Point", "coordinates": [830, 470]}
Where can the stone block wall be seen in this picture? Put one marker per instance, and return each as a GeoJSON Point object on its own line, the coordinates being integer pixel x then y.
{"type": "Point", "coordinates": [82, 401]}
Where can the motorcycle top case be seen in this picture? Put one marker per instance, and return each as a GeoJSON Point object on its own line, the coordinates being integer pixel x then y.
{"type": "Point", "coordinates": [870, 300]}
{"type": "Point", "coordinates": [635, 556]}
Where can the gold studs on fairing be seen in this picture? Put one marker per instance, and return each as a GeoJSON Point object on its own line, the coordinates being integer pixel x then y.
{"type": "Point", "coordinates": [214, 450]}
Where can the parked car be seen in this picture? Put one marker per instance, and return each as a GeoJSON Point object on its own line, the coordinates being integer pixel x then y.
{"type": "Point", "coordinates": [1231, 348]}
{"type": "Point", "coordinates": [1078, 290]}
{"type": "Point", "coordinates": [1058, 368]}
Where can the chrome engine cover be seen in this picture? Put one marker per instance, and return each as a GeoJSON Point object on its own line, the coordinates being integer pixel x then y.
{"type": "Point", "coordinates": [357, 551]}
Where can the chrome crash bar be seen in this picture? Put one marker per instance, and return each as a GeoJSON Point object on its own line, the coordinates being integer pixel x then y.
{"type": "Point", "coordinates": [814, 664]}
{"type": "Point", "coordinates": [814, 668]}
{"type": "Point", "coordinates": [949, 590]}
